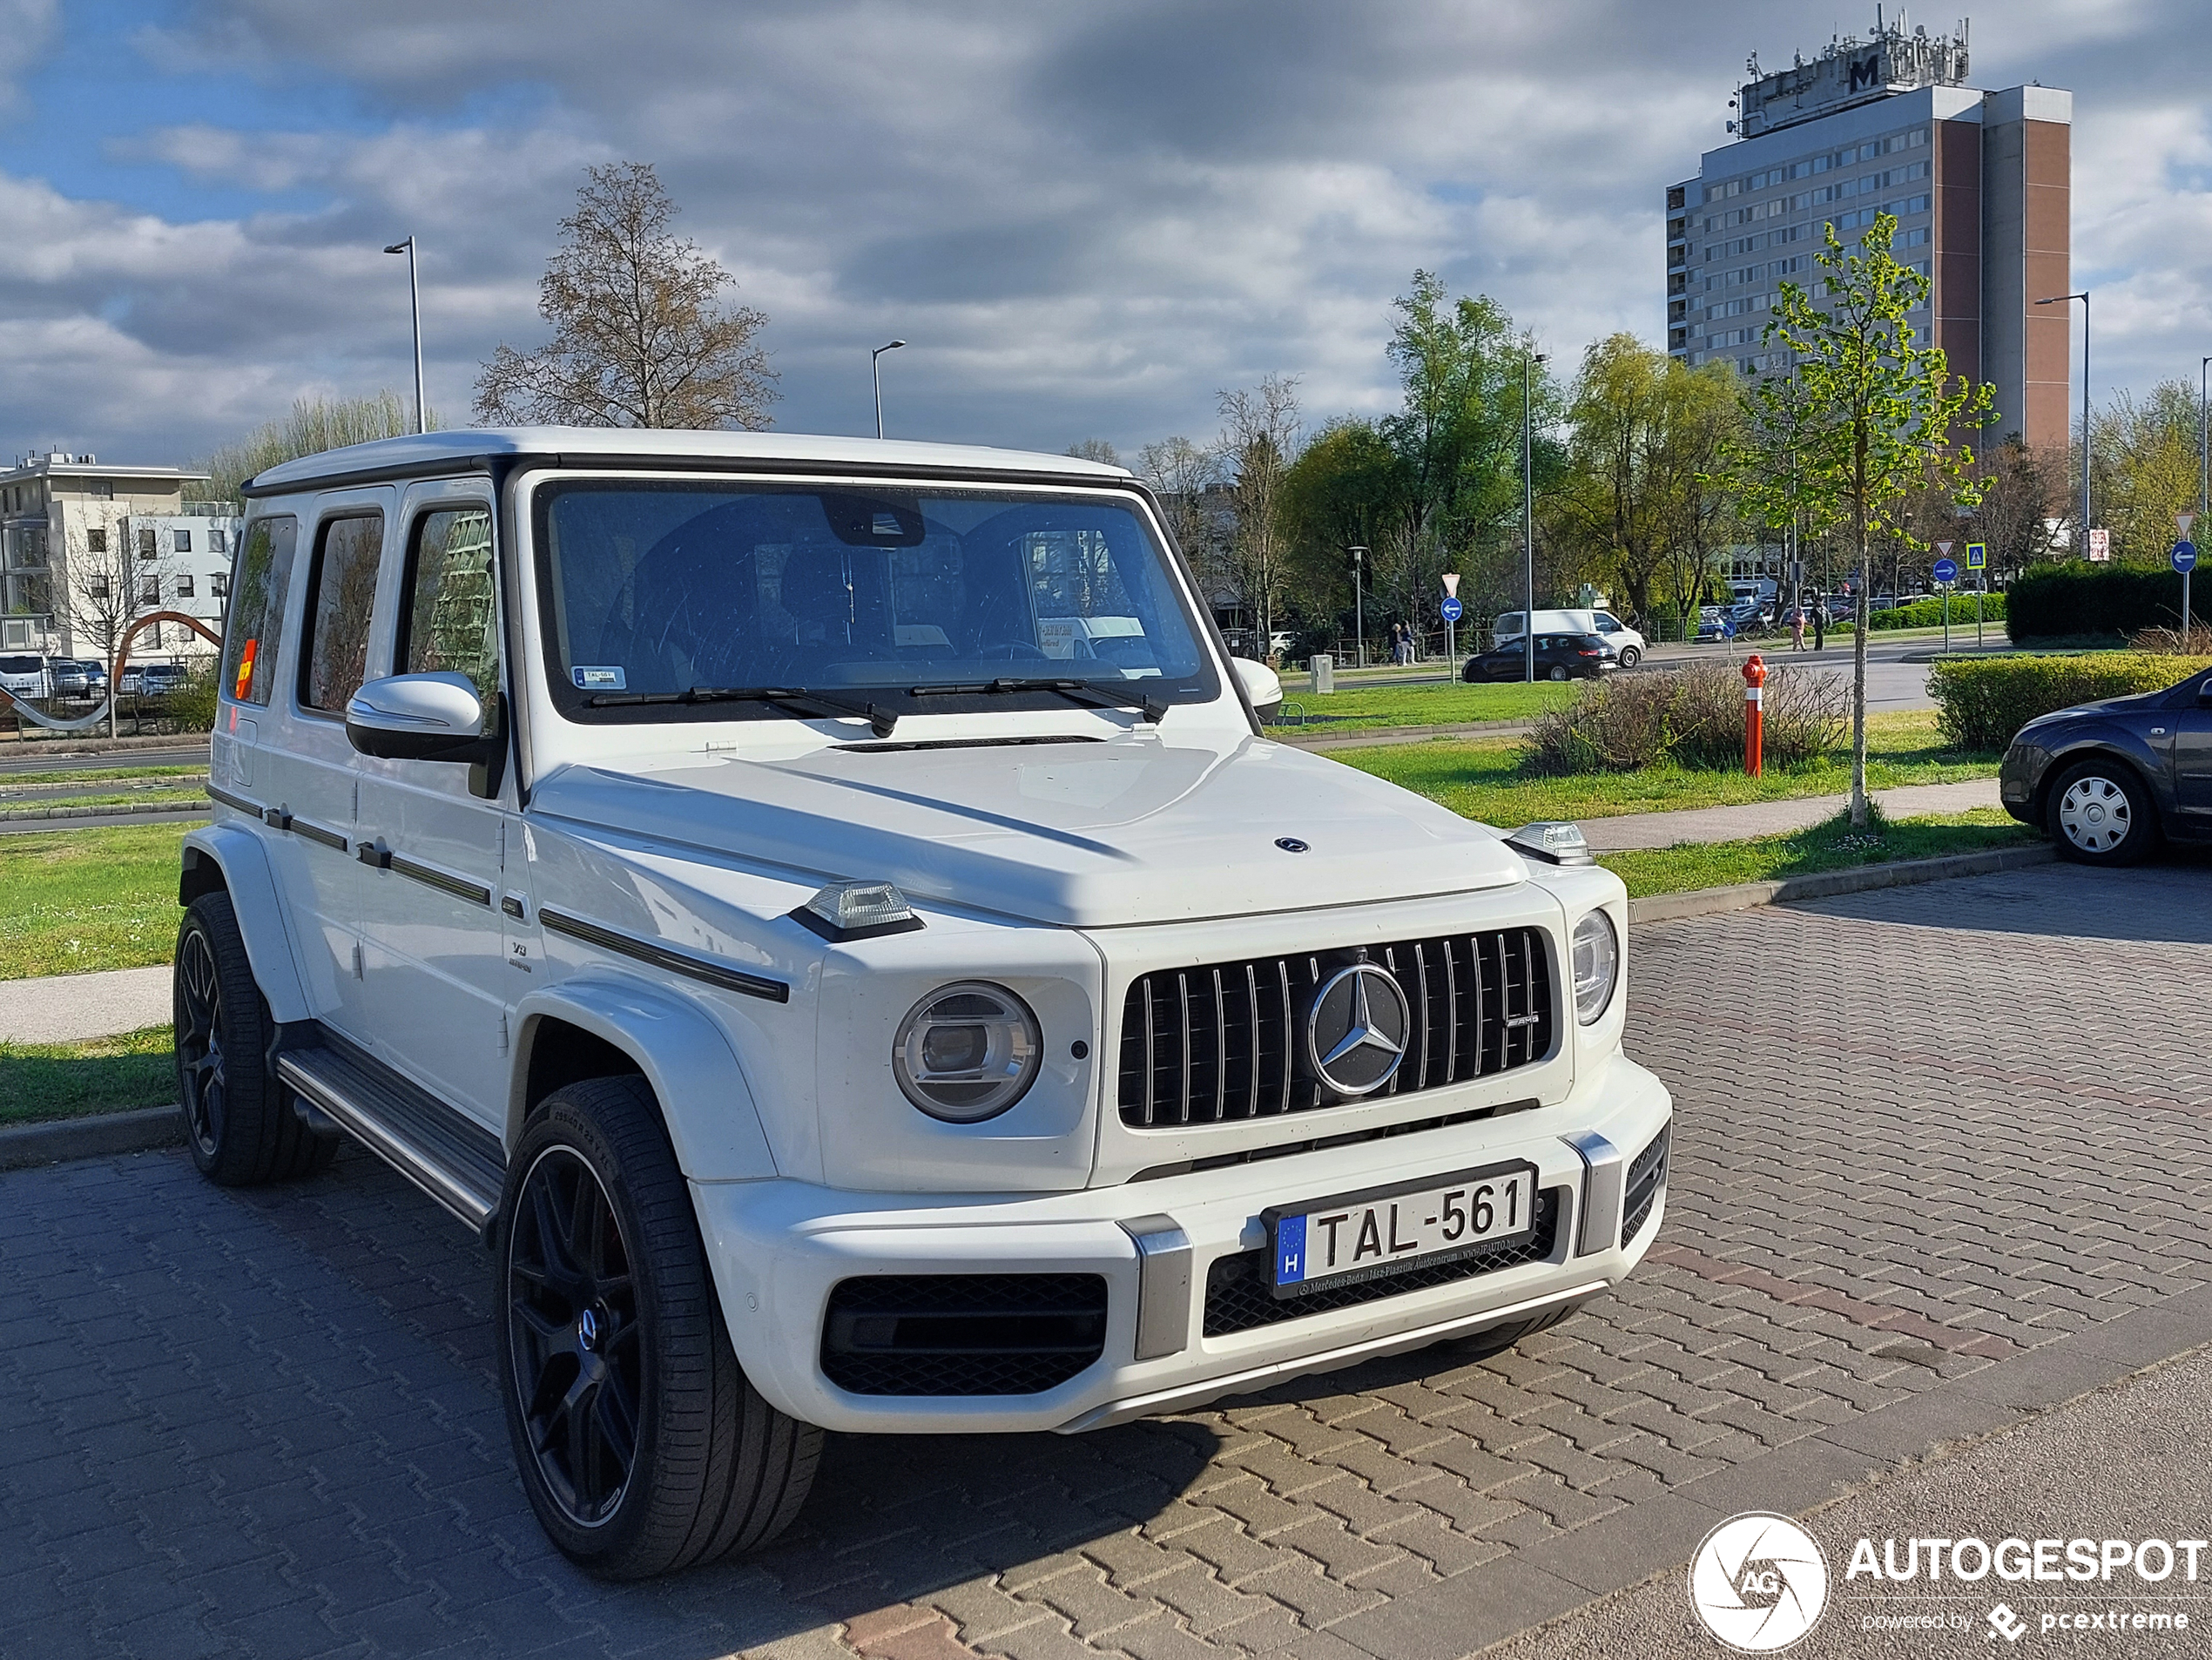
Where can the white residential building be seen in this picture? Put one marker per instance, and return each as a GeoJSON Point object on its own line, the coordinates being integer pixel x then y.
{"type": "Point", "coordinates": [71, 529]}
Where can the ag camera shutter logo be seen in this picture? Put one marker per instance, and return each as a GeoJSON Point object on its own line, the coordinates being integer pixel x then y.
{"type": "Point", "coordinates": [1758, 1582]}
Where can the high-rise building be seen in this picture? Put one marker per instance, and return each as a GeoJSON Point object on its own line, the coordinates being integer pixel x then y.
{"type": "Point", "coordinates": [1979, 183]}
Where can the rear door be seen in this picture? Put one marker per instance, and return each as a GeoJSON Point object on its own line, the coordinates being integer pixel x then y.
{"type": "Point", "coordinates": [441, 918]}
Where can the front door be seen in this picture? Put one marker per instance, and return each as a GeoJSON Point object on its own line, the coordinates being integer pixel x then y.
{"type": "Point", "coordinates": [2193, 761]}
{"type": "Point", "coordinates": [439, 910]}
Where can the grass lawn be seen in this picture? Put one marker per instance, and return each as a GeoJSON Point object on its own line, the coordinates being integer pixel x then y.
{"type": "Point", "coordinates": [1440, 704]}
{"type": "Point", "coordinates": [138, 798]}
{"type": "Point", "coordinates": [11, 781]}
{"type": "Point", "coordinates": [77, 900]}
{"type": "Point", "coordinates": [73, 1080]}
{"type": "Point", "coordinates": [1828, 845]}
{"type": "Point", "coordinates": [1480, 778]}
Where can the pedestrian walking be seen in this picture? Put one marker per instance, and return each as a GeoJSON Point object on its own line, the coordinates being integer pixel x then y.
{"type": "Point", "coordinates": [1797, 629]}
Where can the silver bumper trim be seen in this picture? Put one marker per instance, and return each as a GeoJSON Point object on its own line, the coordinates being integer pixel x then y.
{"type": "Point", "coordinates": [1604, 1171]}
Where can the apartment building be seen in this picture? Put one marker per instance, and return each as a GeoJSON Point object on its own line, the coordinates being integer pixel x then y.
{"type": "Point", "coordinates": [1979, 183]}
{"type": "Point", "coordinates": [76, 534]}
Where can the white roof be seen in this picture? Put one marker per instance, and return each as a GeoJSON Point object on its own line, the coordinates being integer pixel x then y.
{"type": "Point", "coordinates": [428, 451]}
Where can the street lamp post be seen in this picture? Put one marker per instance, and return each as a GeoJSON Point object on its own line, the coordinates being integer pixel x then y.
{"type": "Point", "coordinates": [2059, 300]}
{"type": "Point", "coordinates": [876, 374]}
{"type": "Point", "coordinates": [1528, 517]}
{"type": "Point", "coordinates": [414, 305]}
{"type": "Point", "coordinates": [1359, 609]}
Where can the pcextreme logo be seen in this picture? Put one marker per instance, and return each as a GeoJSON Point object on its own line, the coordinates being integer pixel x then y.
{"type": "Point", "coordinates": [1758, 1582]}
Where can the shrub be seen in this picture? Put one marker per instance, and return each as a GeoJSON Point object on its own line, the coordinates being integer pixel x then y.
{"type": "Point", "coordinates": [1693, 716]}
{"type": "Point", "coordinates": [2059, 601]}
{"type": "Point", "coordinates": [1928, 613]}
{"type": "Point", "coordinates": [1982, 702]}
{"type": "Point", "coordinates": [192, 706]}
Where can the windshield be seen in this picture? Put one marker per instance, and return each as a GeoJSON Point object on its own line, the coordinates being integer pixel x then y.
{"type": "Point", "coordinates": [656, 591]}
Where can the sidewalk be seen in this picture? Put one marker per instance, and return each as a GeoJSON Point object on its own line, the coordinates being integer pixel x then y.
{"type": "Point", "coordinates": [1640, 830]}
{"type": "Point", "coordinates": [63, 1008]}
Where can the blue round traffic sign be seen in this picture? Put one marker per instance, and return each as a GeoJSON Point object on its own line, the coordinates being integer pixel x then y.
{"type": "Point", "coordinates": [1451, 608]}
{"type": "Point", "coordinates": [1946, 570]}
{"type": "Point", "coordinates": [2184, 557]}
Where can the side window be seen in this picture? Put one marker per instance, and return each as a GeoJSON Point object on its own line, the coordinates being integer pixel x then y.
{"type": "Point", "coordinates": [341, 596]}
{"type": "Point", "coordinates": [449, 611]}
{"type": "Point", "coordinates": [250, 644]}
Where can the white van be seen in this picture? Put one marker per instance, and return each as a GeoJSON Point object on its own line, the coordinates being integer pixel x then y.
{"type": "Point", "coordinates": [1607, 627]}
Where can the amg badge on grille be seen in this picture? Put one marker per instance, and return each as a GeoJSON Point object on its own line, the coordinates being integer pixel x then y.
{"type": "Point", "coordinates": [1356, 1031]}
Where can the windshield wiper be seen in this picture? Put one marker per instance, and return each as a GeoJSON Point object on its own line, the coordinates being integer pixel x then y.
{"type": "Point", "coordinates": [881, 721]}
{"type": "Point", "coordinates": [1090, 693]}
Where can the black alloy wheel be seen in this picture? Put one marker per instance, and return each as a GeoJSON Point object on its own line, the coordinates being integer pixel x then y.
{"type": "Point", "coordinates": [199, 1045]}
{"type": "Point", "coordinates": [573, 1330]}
{"type": "Point", "coordinates": [642, 1447]}
{"type": "Point", "coordinates": [239, 1122]}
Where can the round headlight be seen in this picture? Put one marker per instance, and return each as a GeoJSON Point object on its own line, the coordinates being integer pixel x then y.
{"type": "Point", "coordinates": [966, 1051]}
{"type": "Point", "coordinates": [1597, 965]}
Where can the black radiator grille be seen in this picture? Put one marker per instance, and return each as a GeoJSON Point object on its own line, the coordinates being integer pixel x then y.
{"type": "Point", "coordinates": [1219, 1044]}
{"type": "Point", "coordinates": [1647, 1174]}
{"type": "Point", "coordinates": [962, 1335]}
{"type": "Point", "coordinates": [1239, 1298]}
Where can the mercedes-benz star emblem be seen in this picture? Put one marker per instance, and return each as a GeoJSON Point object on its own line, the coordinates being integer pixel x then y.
{"type": "Point", "coordinates": [1356, 1031]}
{"type": "Point", "coordinates": [587, 1330]}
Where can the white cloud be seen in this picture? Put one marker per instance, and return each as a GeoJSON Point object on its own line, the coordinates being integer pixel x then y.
{"type": "Point", "coordinates": [28, 29]}
{"type": "Point", "coordinates": [1087, 221]}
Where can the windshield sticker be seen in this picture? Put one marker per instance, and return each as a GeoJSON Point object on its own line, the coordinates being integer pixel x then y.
{"type": "Point", "coordinates": [599, 679]}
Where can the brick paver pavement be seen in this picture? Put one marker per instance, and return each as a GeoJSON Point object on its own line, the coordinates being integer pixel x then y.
{"type": "Point", "coordinates": [1923, 1133]}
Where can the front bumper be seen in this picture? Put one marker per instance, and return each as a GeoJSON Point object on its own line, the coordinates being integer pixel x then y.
{"type": "Point", "coordinates": [779, 1249]}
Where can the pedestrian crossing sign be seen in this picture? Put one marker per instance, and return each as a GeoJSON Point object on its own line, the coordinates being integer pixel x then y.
{"type": "Point", "coordinates": [1977, 556]}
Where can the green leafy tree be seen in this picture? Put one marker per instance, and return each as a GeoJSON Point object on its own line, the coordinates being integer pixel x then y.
{"type": "Point", "coordinates": [1872, 412]}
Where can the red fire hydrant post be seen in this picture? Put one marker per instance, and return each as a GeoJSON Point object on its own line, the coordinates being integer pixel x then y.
{"type": "Point", "coordinates": [1754, 713]}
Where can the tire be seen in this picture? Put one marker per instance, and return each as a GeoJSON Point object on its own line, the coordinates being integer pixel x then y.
{"type": "Point", "coordinates": [594, 1195]}
{"type": "Point", "coordinates": [239, 1122]}
{"type": "Point", "coordinates": [2100, 813]}
{"type": "Point", "coordinates": [1630, 657]}
{"type": "Point", "coordinates": [1558, 672]}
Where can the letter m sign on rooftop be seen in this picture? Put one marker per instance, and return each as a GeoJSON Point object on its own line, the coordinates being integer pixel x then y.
{"type": "Point", "coordinates": [1866, 71]}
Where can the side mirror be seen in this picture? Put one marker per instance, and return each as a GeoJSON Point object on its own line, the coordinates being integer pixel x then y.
{"type": "Point", "coordinates": [1262, 684]}
{"type": "Point", "coordinates": [419, 717]}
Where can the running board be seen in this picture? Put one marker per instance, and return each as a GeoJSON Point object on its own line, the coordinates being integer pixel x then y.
{"type": "Point", "coordinates": [457, 1162]}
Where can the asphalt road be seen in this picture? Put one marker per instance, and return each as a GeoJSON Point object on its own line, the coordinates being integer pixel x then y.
{"type": "Point", "coordinates": [32, 760]}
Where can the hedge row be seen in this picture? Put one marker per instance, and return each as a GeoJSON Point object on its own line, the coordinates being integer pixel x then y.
{"type": "Point", "coordinates": [1982, 702]}
{"type": "Point", "coordinates": [2049, 601]}
{"type": "Point", "coordinates": [1928, 613]}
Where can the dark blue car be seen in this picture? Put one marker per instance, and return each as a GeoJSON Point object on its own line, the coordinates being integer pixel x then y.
{"type": "Point", "coordinates": [2110, 780]}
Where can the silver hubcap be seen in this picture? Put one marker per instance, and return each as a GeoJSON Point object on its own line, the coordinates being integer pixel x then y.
{"type": "Point", "coordinates": [2094, 814]}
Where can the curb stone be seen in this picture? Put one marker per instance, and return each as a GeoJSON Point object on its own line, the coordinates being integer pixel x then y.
{"type": "Point", "coordinates": [140, 1130]}
{"type": "Point", "coordinates": [1828, 884]}
{"type": "Point", "coordinates": [115, 810]}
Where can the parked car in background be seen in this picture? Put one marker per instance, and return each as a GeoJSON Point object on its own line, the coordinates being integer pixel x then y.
{"type": "Point", "coordinates": [1627, 643]}
{"type": "Point", "coordinates": [26, 675]}
{"type": "Point", "coordinates": [2109, 780]}
{"type": "Point", "coordinates": [1714, 623]}
{"type": "Point", "coordinates": [69, 679]}
{"type": "Point", "coordinates": [1558, 657]}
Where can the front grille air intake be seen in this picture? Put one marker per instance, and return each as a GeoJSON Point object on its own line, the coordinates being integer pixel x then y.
{"type": "Point", "coordinates": [1219, 1044]}
{"type": "Point", "coordinates": [1647, 1174]}
{"type": "Point", "coordinates": [962, 1335]}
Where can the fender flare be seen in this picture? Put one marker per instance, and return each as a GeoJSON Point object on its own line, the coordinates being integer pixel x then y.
{"type": "Point", "coordinates": [686, 1058]}
{"type": "Point", "coordinates": [237, 854]}
{"type": "Point", "coordinates": [2103, 743]}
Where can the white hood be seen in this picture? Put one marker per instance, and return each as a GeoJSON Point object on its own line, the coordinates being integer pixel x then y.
{"type": "Point", "coordinates": [1136, 830]}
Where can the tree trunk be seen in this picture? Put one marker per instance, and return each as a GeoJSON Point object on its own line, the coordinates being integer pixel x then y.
{"type": "Point", "coordinates": [1859, 680]}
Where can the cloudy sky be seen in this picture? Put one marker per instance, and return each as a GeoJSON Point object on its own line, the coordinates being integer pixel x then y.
{"type": "Point", "coordinates": [1086, 218]}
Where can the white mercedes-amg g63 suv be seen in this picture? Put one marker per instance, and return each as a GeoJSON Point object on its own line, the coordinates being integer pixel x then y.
{"type": "Point", "coordinates": [827, 913]}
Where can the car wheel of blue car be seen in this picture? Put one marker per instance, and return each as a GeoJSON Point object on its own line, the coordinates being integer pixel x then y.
{"type": "Point", "coordinates": [2102, 814]}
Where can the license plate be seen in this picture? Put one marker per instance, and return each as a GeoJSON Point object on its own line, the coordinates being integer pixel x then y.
{"type": "Point", "coordinates": [1320, 1242]}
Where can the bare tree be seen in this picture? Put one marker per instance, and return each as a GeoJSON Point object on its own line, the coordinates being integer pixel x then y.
{"type": "Point", "coordinates": [1181, 475]}
{"type": "Point", "coordinates": [107, 583]}
{"type": "Point", "coordinates": [642, 336]}
{"type": "Point", "coordinates": [1260, 440]}
{"type": "Point", "coordinates": [1097, 450]}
